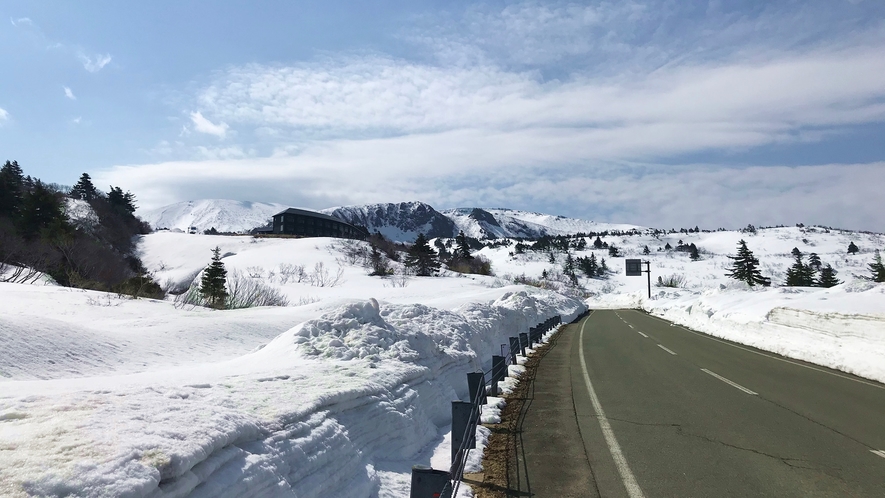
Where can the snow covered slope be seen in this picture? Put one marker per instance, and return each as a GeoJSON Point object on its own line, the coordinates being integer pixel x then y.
{"type": "Point", "coordinates": [397, 221]}
{"type": "Point", "coordinates": [222, 214]}
{"type": "Point", "coordinates": [401, 222]}
{"type": "Point", "coordinates": [338, 394]}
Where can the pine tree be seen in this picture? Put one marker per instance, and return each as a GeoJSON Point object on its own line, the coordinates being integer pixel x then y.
{"type": "Point", "coordinates": [877, 268]}
{"type": "Point", "coordinates": [646, 250]}
{"type": "Point", "coordinates": [40, 209]}
{"type": "Point", "coordinates": [814, 261]}
{"type": "Point", "coordinates": [800, 274]}
{"type": "Point", "coordinates": [746, 267]}
{"type": "Point", "coordinates": [422, 258]}
{"type": "Point", "coordinates": [613, 251]}
{"type": "Point", "coordinates": [84, 189]}
{"type": "Point", "coordinates": [11, 189]}
{"type": "Point", "coordinates": [462, 247]}
{"type": "Point", "coordinates": [380, 267]}
{"type": "Point", "coordinates": [123, 202]}
{"type": "Point", "coordinates": [693, 252]}
{"type": "Point", "coordinates": [597, 243]}
{"type": "Point", "coordinates": [852, 249]}
{"type": "Point", "coordinates": [602, 271]}
{"type": "Point", "coordinates": [827, 277]}
{"type": "Point", "coordinates": [668, 246]}
{"type": "Point", "coordinates": [214, 281]}
{"type": "Point", "coordinates": [796, 252]}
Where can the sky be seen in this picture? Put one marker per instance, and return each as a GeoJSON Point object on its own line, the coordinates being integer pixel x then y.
{"type": "Point", "coordinates": [660, 113]}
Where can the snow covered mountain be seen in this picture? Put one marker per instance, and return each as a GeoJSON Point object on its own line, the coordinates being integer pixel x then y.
{"type": "Point", "coordinates": [397, 221]}
{"type": "Point", "coordinates": [222, 214]}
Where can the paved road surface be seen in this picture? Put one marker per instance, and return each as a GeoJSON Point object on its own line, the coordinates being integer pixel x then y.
{"type": "Point", "coordinates": [627, 405]}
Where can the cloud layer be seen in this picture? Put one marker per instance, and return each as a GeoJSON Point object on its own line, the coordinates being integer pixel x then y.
{"type": "Point", "coordinates": [583, 115]}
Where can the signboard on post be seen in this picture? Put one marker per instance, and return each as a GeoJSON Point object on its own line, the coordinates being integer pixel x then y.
{"type": "Point", "coordinates": [634, 267]}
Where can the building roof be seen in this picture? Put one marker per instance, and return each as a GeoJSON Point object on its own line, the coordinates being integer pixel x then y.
{"type": "Point", "coordinates": [314, 214]}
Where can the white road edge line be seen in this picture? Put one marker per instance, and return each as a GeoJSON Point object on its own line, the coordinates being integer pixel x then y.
{"type": "Point", "coordinates": [706, 336]}
{"type": "Point", "coordinates": [881, 453]}
{"type": "Point", "coordinates": [642, 334]}
{"type": "Point", "coordinates": [665, 349]}
{"type": "Point", "coordinates": [730, 383]}
{"type": "Point", "coordinates": [633, 489]}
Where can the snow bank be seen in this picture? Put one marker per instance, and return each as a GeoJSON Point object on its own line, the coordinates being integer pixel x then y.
{"type": "Point", "coordinates": [340, 405]}
{"type": "Point", "coordinates": [841, 328]}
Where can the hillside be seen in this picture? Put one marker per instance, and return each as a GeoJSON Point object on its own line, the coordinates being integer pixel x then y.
{"type": "Point", "coordinates": [222, 214]}
{"type": "Point", "coordinates": [397, 221]}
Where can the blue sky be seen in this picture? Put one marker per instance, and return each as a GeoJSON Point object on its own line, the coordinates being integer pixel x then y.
{"type": "Point", "coordinates": [661, 113]}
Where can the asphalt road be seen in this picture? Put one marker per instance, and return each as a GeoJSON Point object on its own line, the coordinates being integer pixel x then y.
{"type": "Point", "coordinates": [628, 405]}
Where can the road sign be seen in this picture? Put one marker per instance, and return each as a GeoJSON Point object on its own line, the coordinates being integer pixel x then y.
{"type": "Point", "coordinates": [634, 267]}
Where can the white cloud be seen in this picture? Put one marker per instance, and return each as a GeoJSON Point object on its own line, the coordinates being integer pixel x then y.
{"type": "Point", "coordinates": [203, 125]}
{"type": "Point", "coordinates": [69, 94]}
{"type": "Point", "coordinates": [95, 63]}
{"type": "Point", "coordinates": [21, 20]}
{"type": "Point", "coordinates": [77, 120]}
{"type": "Point", "coordinates": [4, 116]}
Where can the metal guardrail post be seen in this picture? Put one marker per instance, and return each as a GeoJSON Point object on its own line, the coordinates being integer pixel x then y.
{"type": "Point", "coordinates": [476, 385]}
{"type": "Point", "coordinates": [499, 371]}
{"type": "Point", "coordinates": [460, 424]}
{"type": "Point", "coordinates": [523, 342]}
{"type": "Point", "coordinates": [514, 347]}
{"type": "Point", "coordinates": [430, 483]}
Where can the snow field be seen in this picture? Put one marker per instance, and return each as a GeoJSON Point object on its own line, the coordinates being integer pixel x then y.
{"type": "Point", "coordinates": [842, 327]}
{"type": "Point", "coordinates": [339, 405]}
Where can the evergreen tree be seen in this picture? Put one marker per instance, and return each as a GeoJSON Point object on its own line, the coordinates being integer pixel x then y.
{"type": "Point", "coordinates": [84, 189]}
{"type": "Point", "coordinates": [668, 246]}
{"type": "Point", "coordinates": [693, 252]}
{"type": "Point", "coordinates": [852, 249]}
{"type": "Point", "coordinates": [40, 209]}
{"type": "Point", "coordinates": [580, 244]}
{"type": "Point", "coordinates": [214, 281]}
{"type": "Point", "coordinates": [597, 243]}
{"type": "Point", "coordinates": [123, 202]}
{"type": "Point", "coordinates": [380, 267]}
{"type": "Point", "coordinates": [800, 274]}
{"type": "Point", "coordinates": [827, 277]}
{"type": "Point", "coordinates": [646, 250]}
{"type": "Point", "coordinates": [877, 268]}
{"type": "Point", "coordinates": [613, 251]}
{"type": "Point", "coordinates": [796, 252]}
{"type": "Point", "coordinates": [602, 271]}
{"type": "Point", "coordinates": [589, 266]}
{"type": "Point", "coordinates": [746, 267]}
{"type": "Point", "coordinates": [814, 261]}
{"type": "Point", "coordinates": [462, 247]}
{"type": "Point", "coordinates": [11, 189]}
{"type": "Point", "coordinates": [422, 258]}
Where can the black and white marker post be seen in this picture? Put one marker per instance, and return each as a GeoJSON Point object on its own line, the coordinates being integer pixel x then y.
{"type": "Point", "coordinates": [634, 269]}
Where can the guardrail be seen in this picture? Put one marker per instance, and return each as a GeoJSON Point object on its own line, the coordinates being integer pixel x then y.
{"type": "Point", "coordinates": [435, 483]}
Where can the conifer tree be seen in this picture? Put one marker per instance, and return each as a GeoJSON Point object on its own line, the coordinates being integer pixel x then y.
{"type": "Point", "coordinates": [646, 250]}
{"type": "Point", "coordinates": [84, 189]}
{"type": "Point", "coordinates": [124, 202]}
{"type": "Point", "coordinates": [11, 189]}
{"type": "Point", "coordinates": [827, 277]}
{"type": "Point", "coordinates": [693, 252]}
{"type": "Point", "coordinates": [746, 267]}
{"type": "Point", "coordinates": [41, 208]}
{"type": "Point", "coordinates": [613, 251]}
{"type": "Point", "coordinates": [852, 249]}
{"type": "Point", "coordinates": [422, 258]}
{"type": "Point", "coordinates": [877, 268]}
{"type": "Point", "coordinates": [800, 274]}
{"type": "Point", "coordinates": [380, 267]}
{"type": "Point", "coordinates": [814, 261]}
{"type": "Point", "coordinates": [597, 243]}
{"type": "Point", "coordinates": [462, 247]}
{"type": "Point", "coordinates": [668, 246]}
{"type": "Point", "coordinates": [602, 271]}
{"type": "Point", "coordinates": [214, 281]}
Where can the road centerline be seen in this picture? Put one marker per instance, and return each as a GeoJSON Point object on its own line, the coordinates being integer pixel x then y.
{"type": "Point", "coordinates": [732, 384]}
{"type": "Point", "coordinates": [667, 349]}
{"type": "Point", "coordinates": [642, 334]}
{"type": "Point", "coordinates": [627, 477]}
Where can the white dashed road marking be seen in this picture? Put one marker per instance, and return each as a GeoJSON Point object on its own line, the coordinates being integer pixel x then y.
{"type": "Point", "coordinates": [665, 349]}
{"type": "Point", "coordinates": [730, 383]}
{"type": "Point", "coordinates": [643, 335]}
{"type": "Point", "coordinates": [881, 453]}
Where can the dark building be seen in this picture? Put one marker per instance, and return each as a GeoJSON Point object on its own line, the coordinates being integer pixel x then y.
{"type": "Point", "coordinates": [312, 224]}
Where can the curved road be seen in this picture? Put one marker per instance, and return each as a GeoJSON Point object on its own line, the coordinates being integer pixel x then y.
{"type": "Point", "coordinates": [628, 405]}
